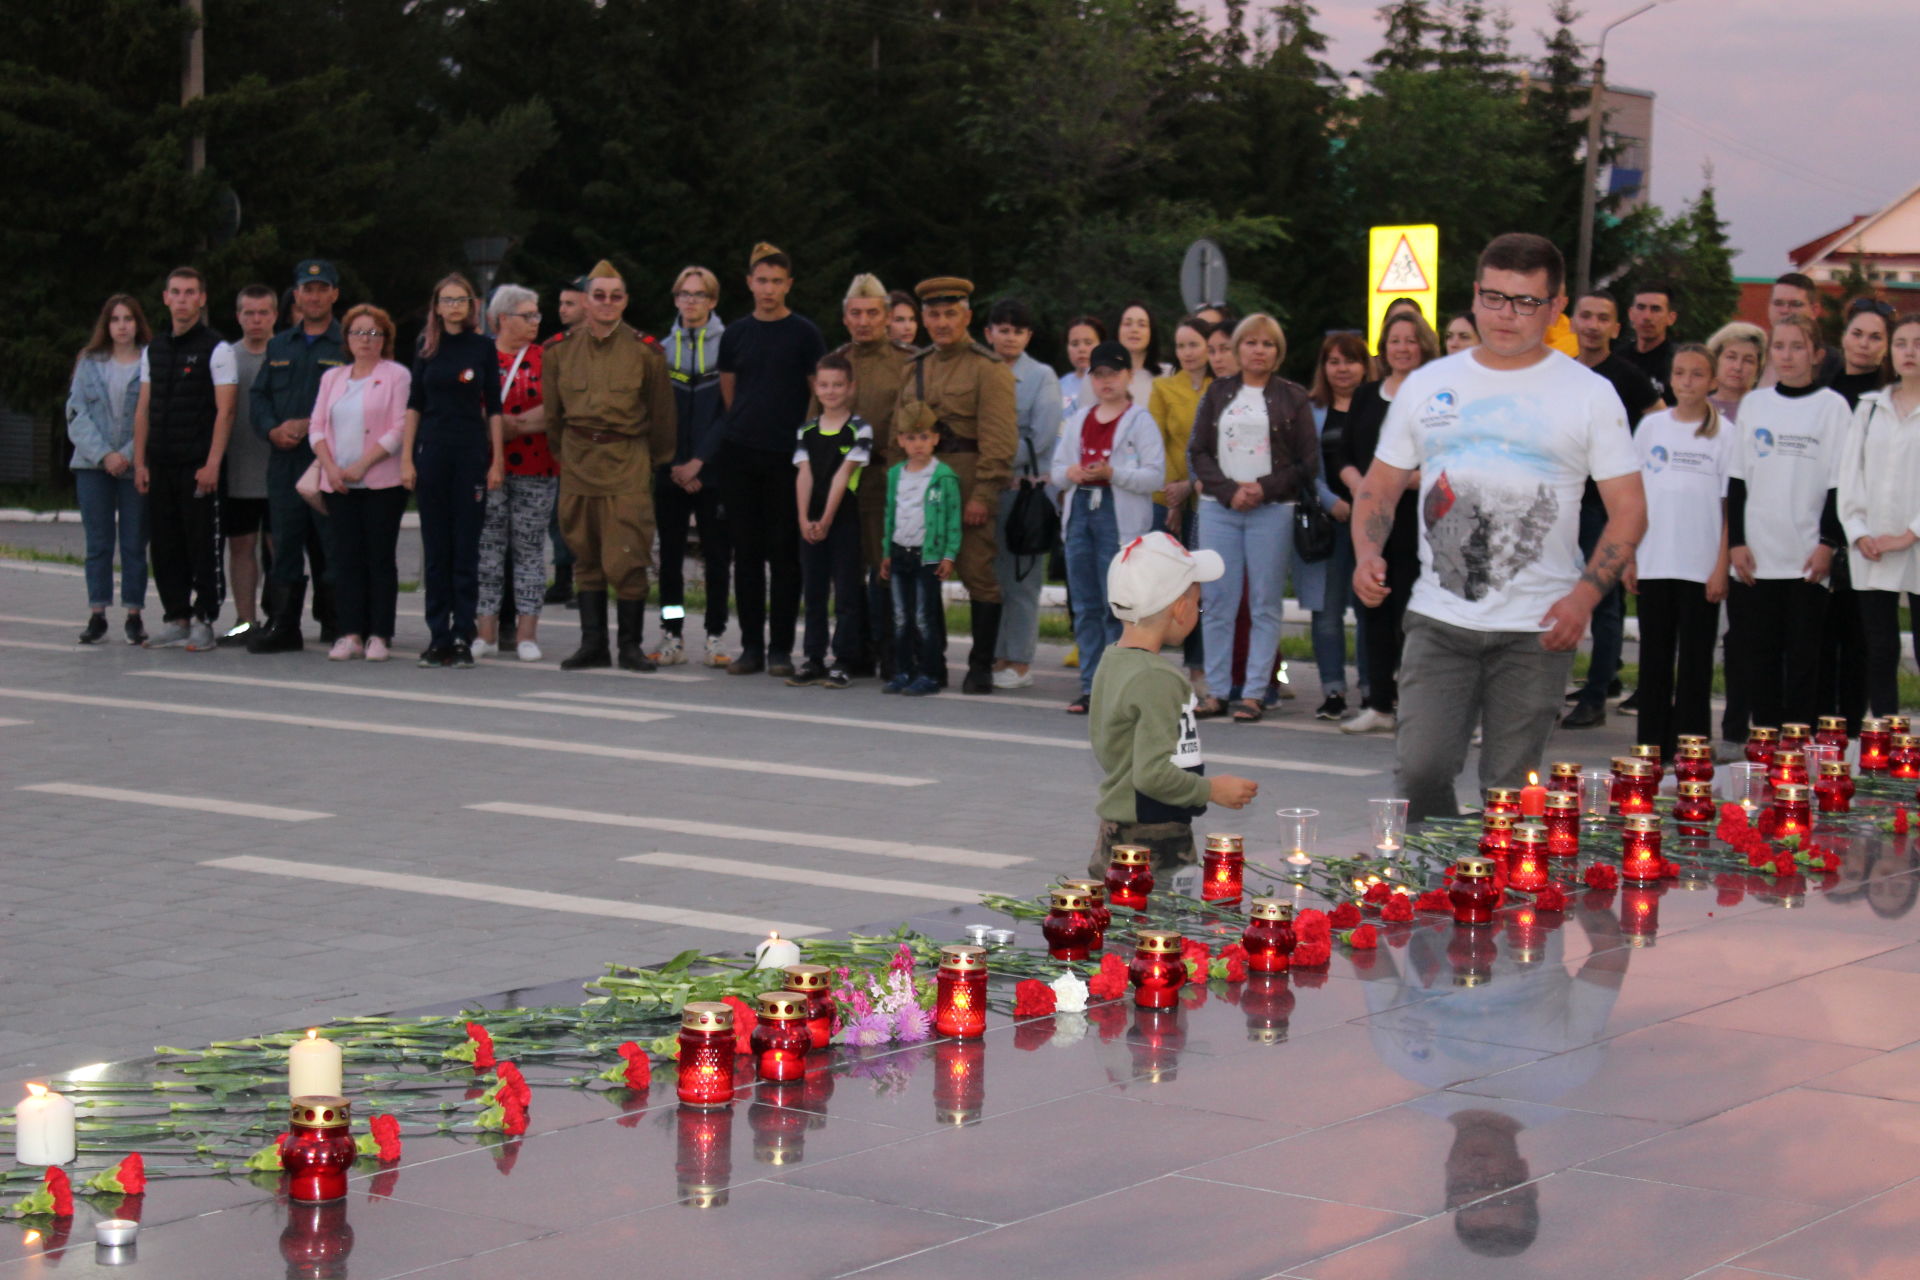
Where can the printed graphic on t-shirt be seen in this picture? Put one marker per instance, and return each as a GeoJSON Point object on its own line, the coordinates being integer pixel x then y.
{"type": "Point", "coordinates": [1491, 505]}
{"type": "Point", "coordinates": [1186, 751]}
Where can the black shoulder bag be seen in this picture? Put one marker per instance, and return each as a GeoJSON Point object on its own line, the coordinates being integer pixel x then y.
{"type": "Point", "coordinates": [1033, 524]}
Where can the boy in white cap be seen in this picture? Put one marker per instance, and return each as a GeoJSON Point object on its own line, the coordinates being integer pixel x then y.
{"type": "Point", "coordinates": [1141, 721]}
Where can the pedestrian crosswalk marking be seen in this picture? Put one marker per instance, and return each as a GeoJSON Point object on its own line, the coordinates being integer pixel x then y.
{"type": "Point", "coordinates": [161, 800]}
{"type": "Point", "coordinates": [803, 875]}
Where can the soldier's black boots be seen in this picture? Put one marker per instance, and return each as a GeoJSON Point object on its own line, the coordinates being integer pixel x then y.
{"type": "Point", "coordinates": [593, 651]}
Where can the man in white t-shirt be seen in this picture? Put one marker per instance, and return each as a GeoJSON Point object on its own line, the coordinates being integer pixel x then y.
{"type": "Point", "coordinates": [1504, 437]}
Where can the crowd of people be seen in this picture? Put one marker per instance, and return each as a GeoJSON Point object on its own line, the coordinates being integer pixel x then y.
{"type": "Point", "coordinates": [277, 468]}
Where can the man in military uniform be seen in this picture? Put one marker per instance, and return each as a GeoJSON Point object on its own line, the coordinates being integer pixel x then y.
{"type": "Point", "coordinates": [610, 402]}
{"type": "Point", "coordinates": [879, 371]}
{"type": "Point", "coordinates": [280, 405]}
{"type": "Point", "coordinates": [961, 390]}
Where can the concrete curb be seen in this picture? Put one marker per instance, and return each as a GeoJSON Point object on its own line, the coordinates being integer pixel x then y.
{"type": "Point", "coordinates": [20, 515]}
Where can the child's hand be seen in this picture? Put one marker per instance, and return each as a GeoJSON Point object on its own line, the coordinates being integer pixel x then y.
{"type": "Point", "coordinates": [945, 570]}
{"type": "Point", "coordinates": [1232, 792]}
{"type": "Point", "coordinates": [886, 570]}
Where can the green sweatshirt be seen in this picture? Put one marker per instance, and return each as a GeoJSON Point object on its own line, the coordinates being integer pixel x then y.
{"type": "Point", "coordinates": [941, 507]}
{"type": "Point", "coordinates": [1146, 739]}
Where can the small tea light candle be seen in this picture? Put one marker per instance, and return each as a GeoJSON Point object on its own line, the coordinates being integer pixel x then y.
{"type": "Point", "coordinates": [43, 1127]}
{"type": "Point", "coordinates": [776, 952]}
{"type": "Point", "coordinates": [313, 1067]}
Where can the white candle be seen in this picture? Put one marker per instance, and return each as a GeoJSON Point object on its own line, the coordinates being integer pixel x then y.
{"type": "Point", "coordinates": [43, 1127]}
{"type": "Point", "coordinates": [313, 1068]}
{"type": "Point", "coordinates": [775, 953]}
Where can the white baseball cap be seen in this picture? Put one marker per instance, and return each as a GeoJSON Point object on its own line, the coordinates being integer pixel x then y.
{"type": "Point", "coordinates": [1153, 571]}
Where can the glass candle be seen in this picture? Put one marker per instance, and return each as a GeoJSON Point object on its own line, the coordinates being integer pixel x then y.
{"type": "Point", "coordinates": [703, 1154]}
{"type": "Point", "coordinates": [1496, 834]}
{"type": "Point", "coordinates": [959, 1081]}
{"type": "Point", "coordinates": [813, 982]}
{"type": "Point", "coordinates": [1157, 970]}
{"type": "Point", "coordinates": [1563, 824]}
{"type": "Point", "coordinates": [1790, 814]}
{"type": "Point", "coordinates": [1222, 868]}
{"type": "Point", "coordinates": [315, 1243]}
{"type": "Point", "coordinates": [1130, 876]}
{"type": "Point", "coordinates": [1564, 775]}
{"type": "Point", "coordinates": [778, 1122]}
{"type": "Point", "coordinates": [1267, 1000]}
{"type": "Point", "coordinates": [706, 1054]}
{"type": "Point", "coordinates": [1903, 761]}
{"type": "Point", "coordinates": [1268, 937]}
{"type": "Point", "coordinates": [960, 1001]}
{"type": "Point", "coordinates": [1832, 732]}
{"type": "Point", "coordinates": [1694, 764]}
{"type": "Point", "coordinates": [1899, 724]}
{"type": "Point", "coordinates": [1876, 741]}
{"type": "Point", "coordinates": [1789, 765]}
{"type": "Point", "coordinates": [1640, 782]}
{"type": "Point", "coordinates": [319, 1150]}
{"type": "Point", "coordinates": [1650, 753]}
{"type": "Point", "coordinates": [1473, 894]}
{"type": "Point", "coordinates": [1503, 800]}
{"type": "Point", "coordinates": [1692, 740]}
{"type": "Point", "coordinates": [1618, 786]}
{"type": "Point", "coordinates": [1640, 913]}
{"type": "Point", "coordinates": [1069, 926]}
{"type": "Point", "coordinates": [1694, 803]}
{"type": "Point", "coordinates": [1297, 830]}
{"type": "Point", "coordinates": [1834, 791]}
{"type": "Point", "coordinates": [1471, 953]}
{"type": "Point", "coordinates": [781, 1038]}
{"type": "Point", "coordinates": [1096, 895]}
{"type": "Point", "coordinates": [1527, 861]}
{"type": "Point", "coordinates": [1795, 737]}
{"type": "Point", "coordinates": [1640, 858]}
{"type": "Point", "coordinates": [1388, 818]}
{"type": "Point", "coordinates": [1761, 744]}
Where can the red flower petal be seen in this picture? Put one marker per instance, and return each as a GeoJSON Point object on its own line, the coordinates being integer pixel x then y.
{"type": "Point", "coordinates": [1551, 898]}
{"type": "Point", "coordinates": [483, 1058]}
{"type": "Point", "coordinates": [1344, 916]}
{"type": "Point", "coordinates": [1033, 998]}
{"type": "Point", "coordinates": [1111, 982]}
{"type": "Point", "coordinates": [61, 1189]}
{"type": "Point", "coordinates": [743, 1020]}
{"type": "Point", "coordinates": [1397, 909]}
{"type": "Point", "coordinates": [1433, 900]}
{"type": "Point", "coordinates": [133, 1174]}
{"type": "Point", "coordinates": [1602, 876]}
{"type": "Point", "coordinates": [1378, 893]}
{"type": "Point", "coordinates": [1365, 938]}
{"type": "Point", "coordinates": [1311, 955]}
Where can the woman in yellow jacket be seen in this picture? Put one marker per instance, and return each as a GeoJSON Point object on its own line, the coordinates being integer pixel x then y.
{"type": "Point", "coordinates": [1174, 400]}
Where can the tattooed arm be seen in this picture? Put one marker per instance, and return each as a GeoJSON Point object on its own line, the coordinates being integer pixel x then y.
{"type": "Point", "coordinates": [1626, 503]}
{"type": "Point", "coordinates": [1373, 503]}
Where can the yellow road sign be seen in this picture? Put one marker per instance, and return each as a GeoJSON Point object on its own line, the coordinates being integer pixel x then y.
{"type": "Point", "coordinates": [1402, 262]}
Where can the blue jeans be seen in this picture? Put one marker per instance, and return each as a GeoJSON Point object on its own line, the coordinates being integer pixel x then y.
{"type": "Point", "coordinates": [1257, 546]}
{"type": "Point", "coordinates": [104, 504]}
{"type": "Point", "coordinates": [919, 615]}
{"type": "Point", "coordinates": [1609, 616]}
{"type": "Point", "coordinates": [1330, 620]}
{"type": "Point", "coordinates": [1193, 654]}
{"type": "Point", "coordinates": [1093, 539]}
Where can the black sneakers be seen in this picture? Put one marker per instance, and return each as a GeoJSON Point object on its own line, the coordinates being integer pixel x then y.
{"type": "Point", "coordinates": [1333, 708]}
{"type": "Point", "coordinates": [460, 655]}
{"type": "Point", "coordinates": [836, 679]}
{"type": "Point", "coordinates": [96, 630]}
{"type": "Point", "coordinates": [136, 629]}
{"type": "Point", "coordinates": [810, 673]}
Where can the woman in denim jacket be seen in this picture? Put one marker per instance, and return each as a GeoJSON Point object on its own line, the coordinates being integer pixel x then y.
{"type": "Point", "coordinates": [106, 386]}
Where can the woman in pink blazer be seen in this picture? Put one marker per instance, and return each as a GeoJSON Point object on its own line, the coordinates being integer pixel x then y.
{"type": "Point", "coordinates": [359, 420]}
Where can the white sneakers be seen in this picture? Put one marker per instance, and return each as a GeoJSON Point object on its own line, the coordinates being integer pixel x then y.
{"type": "Point", "coordinates": [377, 650]}
{"type": "Point", "coordinates": [528, 651]}
{"type": "Point", "coordinates": [482, 649]}
{"type": "Point", "coordinates": [345, 649]}
{"type": "Point", "coordinates": [1368, 721]}
{"type": "Point", "coordinates": [717, 655]}
{"type": "Point", "coordinates": [1008, 678]}
{"type": "Point", "coordinates": [671, 653]}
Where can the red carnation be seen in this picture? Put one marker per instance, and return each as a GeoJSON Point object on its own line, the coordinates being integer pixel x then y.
{"type": "Point", "coordinates": [61, 1189]}
{"type": "Point", "coordinates": [1033, 1033]}
{"type": "Point", "coordinates": [1365, 938]}
{"type": "Point", "coordinates": [1344, 916]}
{"type": "Point", "coordinates": [1783, 864]}
{"type": "Point", "coordinates": [513, 1086]}
{"type": "Point", "coordinates": [386, 1132]}
{"type": "Point", "coordinates": [1111, 982]}
{"type": "Point", "coordinates": [1235, 959]}
{"type": "Point", "coordinates": [1433, 900]}
{"type": "Point", "coordinates": [133, 1174]}
{"type": "Point", "coordinates": [1602, 876]}
{"type": "Point", "coordinates": [483, 1058]}
{"type": "Point", "coordinates": [1190, 950]}
{"type": "Point", "coordinates": [513, 1117]}
{"type": "Point", "coordinates": [1312, 925]}
{"type": "Point", "coordinates": [743, 1020]}
{"type": "Point", "coordinates": [1311, 955]}
{"type": "Point", "coordinates": [639, 1070]}
{"type": "Point", "coordinates": [1378, 893]}
{"type": "Point", "coordinates": [1900, 821]}
{"type": "Point", "coordinates": [1398, 909]}
{"type": "Point", "coordinates": [1551, 898]}
{"type": "Point", "coordinates": [1730, 812]}
{"type": "Point", "coordinates": [1033, 998]}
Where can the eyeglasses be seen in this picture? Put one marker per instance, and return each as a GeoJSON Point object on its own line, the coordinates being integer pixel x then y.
{"type": "Point", "coordinates": [454, 300]}
{"type": "Point", "coordinates": [365, 333]}
{"type": "Point", "coordinates": [531, 317]}
{"type": "Point", "coordinates": [597, 296]}
{"type": "Point", "coordinates": [688, 295]}
{"type": "Point", "coordinates": [1522, 304]}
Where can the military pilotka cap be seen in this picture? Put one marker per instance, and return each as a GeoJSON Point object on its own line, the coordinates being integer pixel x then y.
{"type": "Point", "coordinates": [943, 289]}
{"type": "Point", "coordinates": [315, 269]}
{"type": "Point", "coordinates": [763, 251]}
{"type": "Point", "coordinates": [604, 270]}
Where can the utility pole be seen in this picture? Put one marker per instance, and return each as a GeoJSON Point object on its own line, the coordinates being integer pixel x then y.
{"type": "Point", "coordinates": [193, 75]}
{"type": "Point", "coordinates": [1596, 110]}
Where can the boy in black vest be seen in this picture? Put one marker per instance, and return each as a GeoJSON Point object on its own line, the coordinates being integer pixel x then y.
{"type": "Point", "coordinates": [189, 381]}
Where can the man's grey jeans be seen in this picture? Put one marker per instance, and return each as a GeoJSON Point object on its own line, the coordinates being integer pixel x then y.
{"type": "Point", "coordinates": [1452, 679]}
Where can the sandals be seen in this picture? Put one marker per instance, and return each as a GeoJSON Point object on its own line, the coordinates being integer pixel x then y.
{"type": "Point", "coordinates": [1078, 707]}
{"type": "Point", "coordinates": [1248, 712]}
{"type": "Point", "coordinates": [1208, 708]}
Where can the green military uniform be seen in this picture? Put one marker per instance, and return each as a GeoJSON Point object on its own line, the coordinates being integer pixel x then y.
{"type": "Point", "coordinates": [879, 371]}
{"type": "Point", "coordinates": [965, 392]}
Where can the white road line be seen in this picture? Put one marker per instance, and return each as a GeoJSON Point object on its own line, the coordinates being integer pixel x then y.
{"type": "Point", "coordinates": [760, 835]}
{"type": "Point", "coordinates": [6, 723]}
{"type": "Point", "coordinates": [200, 804]}
{"type": "Point", "coordinates": [34, 622]}
{"type": "Point", "coordinates": [944, 731]}
{"type": "Point", "coordinates": [401, 695]}
{"type": "Point", "coordinates": [507, 896]}
{"type": "Point", "coordinates": [49, 648]}
{"type": "Point", "coordinates": [478, 739]}
{"type": "Point", "coordinates": [58, 570]}
{"type": "Point", "coordinates": [800, 875]}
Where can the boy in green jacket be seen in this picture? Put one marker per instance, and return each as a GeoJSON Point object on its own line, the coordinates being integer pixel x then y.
{"type": "Point", "coordinates": [923, 537]}
{"type": "Point", "coordinates": [1144, 732]}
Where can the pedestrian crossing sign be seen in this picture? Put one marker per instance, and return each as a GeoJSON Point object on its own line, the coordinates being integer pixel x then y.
{"type": "Point", "coordinates": [1402, 262]}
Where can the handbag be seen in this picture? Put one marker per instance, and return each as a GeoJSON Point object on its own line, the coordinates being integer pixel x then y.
{"type": "Point", "coordinates": [1033, 523]}
{"type": "Point", "coordinates": [308, 487]}
{"type": "Point", "coordinates": [1313, 531]}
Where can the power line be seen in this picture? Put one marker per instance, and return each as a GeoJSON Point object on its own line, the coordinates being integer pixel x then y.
{"type": "Point", "coordinates": [1790, 167]}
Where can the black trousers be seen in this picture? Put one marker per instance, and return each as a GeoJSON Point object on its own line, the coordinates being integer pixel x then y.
{"type": "Point", "coordinates": [1780, 622]}
{"type": "Point", "coordinates": [765, 527]}
{"type": "Point", "coordinates": [674, 510]}
{"type": "Point", "coordinates": [298, 530]}
{"type": "Point", "coordinates": [451, 492]}
{"type": "Point", "coordinates": [1880, 637]}
{"type": "Point", "coordinates": [1842, 678]}
{"type": "Point", "coordinates": [364, 526]}
{"type": "Point", "coordinates": [1383, 632]}
{"type": "Point", "coordinates": [834, 565]}
{"type": "Point", "coordinates": [184, 542]}
{"type": "Point", "coordinates": [1677, 627]}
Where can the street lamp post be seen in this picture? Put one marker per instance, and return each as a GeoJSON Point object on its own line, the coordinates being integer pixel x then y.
{"type": "Point", "coordinates": [1596, 112]}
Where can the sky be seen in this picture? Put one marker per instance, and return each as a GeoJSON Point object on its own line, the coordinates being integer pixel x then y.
{"type": "Point", "coordinates": [1804, 109]}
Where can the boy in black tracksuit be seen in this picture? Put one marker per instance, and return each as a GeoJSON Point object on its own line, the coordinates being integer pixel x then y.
{"type": "Point", "coordinates": [830, 453]}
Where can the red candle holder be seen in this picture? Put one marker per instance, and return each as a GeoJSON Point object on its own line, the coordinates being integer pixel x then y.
{"type": "Point", "coordinates": [1157, 971]}
{"type": "Point", "coordinates": [959, 1081]}
{"type": "Point", "coordinates": [319, 1150]}
{"type": "Point", "coordinates": [1899, 724]}
{"type": "Point", "coordinates": [1471, 953]}
{"type": "Point", "coordinates": [1130, 876]}
{"type": "Point", "coordinates": [1694, 764]}
{"type": "Point", "coordinates": [1096, 895]}
{"type": "Point", "coordinates": [1640, 859]}
{"type": "Point", "coordinates": [1069, 927]}
{"type": "Point", "coordinates": [1268, 937]}
{"type": "Point", "coordinates": [1154, 1042]}
{"type": "Point", "coordinates": [1789, 765]}
{"type": "Point", "coordinates": [1268, 1002]}
{"type": "Point", "coordinates": [1790, 814]}
{"type": "Point", "coordinates": [706, 1054]}
{"type": "Point", "coordinates": [1903, 761]}
{"type": "Point", "coordinates": [1876, 742]}
{"type": "Point", "coordinates": [1496, 834]}
{"type": "Point", "coordinates": [1834, 791]}
{"type": "Point", "coordinates": [1564, 775]}
{"type": "Point", "coordinates": [814, 982]}
{"type": "Point", "coordinates": [1832, 732]}
{"type": "Point", "coordinates": [1694, 802]}
{"type": "Point", "coordinates": [1692, 740]}
{"type": "Point", "coordinates": [1473, 894]}
{"type": "Point", "coordinates": [1638, 781]}
{"type": "Point", "coordinates": [1527, 860]}
{"type": "Point", "coordinates": [316, 1241]}
{"type": "Point", "coordinates": [1761, 744]}
{"type": "Point", "coordinates": [1795, 737]}
{"type": "Point", "coordinates": [1502, 800]}
{"type": "Point", "coordinates": [1651, 754]}
{"type": "Point", "coordinates": [960, 986]}
{"type": "Point", "coordinates": [703, 1154]}
{"type": "Point", "coordinates": [781, 1038]}
{"type": "Point", "coordinates": [1222, 868]}
{"type": "Point", "coordinates": [1640, 913]}
{"type": "Point", "coordinates": [1563, 823]}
